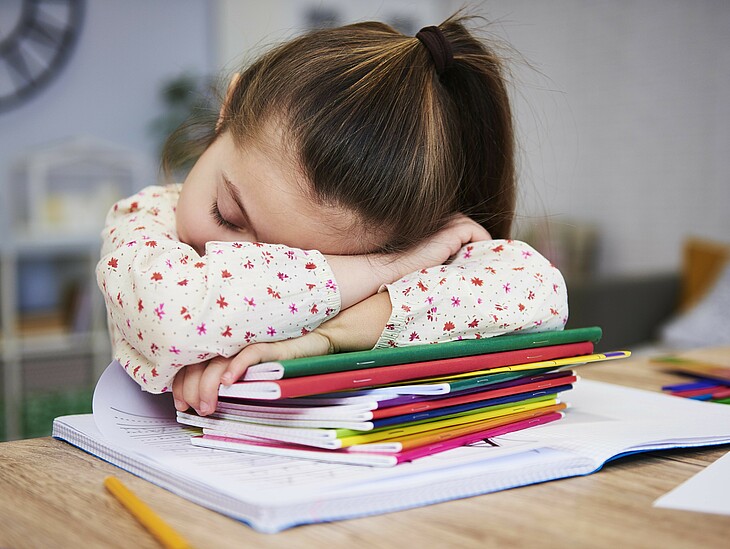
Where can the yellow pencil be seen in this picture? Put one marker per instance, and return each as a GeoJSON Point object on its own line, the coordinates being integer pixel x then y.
{"type": "Point", "coordinates": [164, 533]}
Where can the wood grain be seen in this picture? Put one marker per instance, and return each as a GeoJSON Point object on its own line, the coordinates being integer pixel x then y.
{"type": "Point", "coordinates": [51, 495]}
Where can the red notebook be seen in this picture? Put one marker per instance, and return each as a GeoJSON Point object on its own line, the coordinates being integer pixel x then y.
{"type": "Point", "coordinates": [359, 379]}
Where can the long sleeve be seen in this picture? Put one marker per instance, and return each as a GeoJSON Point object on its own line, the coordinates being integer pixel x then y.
{"type": "Point", "coordinates": [490, 288]}
{"type": "Point", "coordinates": [169, 307]}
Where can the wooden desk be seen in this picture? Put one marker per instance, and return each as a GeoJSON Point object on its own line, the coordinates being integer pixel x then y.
{"type": "Point", "coordinates": [51, 495]}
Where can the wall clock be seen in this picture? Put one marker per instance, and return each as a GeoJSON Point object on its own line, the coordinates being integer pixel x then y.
{"type": "Point", "coordinates": [36, 40]}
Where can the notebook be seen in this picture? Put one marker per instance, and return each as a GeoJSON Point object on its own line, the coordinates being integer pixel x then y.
{"type": "Point", "coordinates": [375, 358]}
{"type": "Point", "coordinates": [137, 431]}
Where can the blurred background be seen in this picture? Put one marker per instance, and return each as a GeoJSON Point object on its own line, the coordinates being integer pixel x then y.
{"type": "Point", "coordinates": [622, 113]}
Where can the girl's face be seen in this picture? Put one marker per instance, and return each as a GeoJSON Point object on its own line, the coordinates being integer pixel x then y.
{"type": "Point", "coordinates": [256, 193]}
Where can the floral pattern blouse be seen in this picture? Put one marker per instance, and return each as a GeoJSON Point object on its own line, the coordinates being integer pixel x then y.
{"type": "Point", "coordinates": [169, 307]}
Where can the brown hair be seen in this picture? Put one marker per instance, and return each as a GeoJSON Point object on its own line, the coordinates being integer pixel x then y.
{"type": "Point", "coordinates": [378, 131]}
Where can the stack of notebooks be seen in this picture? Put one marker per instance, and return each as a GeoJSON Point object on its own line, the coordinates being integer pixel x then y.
{"type": "Point", "coordinates": [388, 406]}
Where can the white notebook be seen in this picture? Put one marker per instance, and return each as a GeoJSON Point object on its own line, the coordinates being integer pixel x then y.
{"type": "Point", "coordinates": [137, 431]}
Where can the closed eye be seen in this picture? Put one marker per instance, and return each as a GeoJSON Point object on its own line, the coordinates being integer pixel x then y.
{"type": "Point", "coordinates": [219, 219]}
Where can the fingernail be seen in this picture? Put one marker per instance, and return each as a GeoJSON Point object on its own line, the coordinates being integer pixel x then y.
{"type": "Point", "coordinates": [204, 407]}
{"type": "Point", "coordinates": [180, 405]}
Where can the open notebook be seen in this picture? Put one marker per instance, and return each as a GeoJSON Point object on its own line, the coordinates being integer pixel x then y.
{"type": "Point", "coordinates": [137, 431]}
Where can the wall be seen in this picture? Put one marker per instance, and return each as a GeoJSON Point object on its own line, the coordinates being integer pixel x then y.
{"type": "Point", "coordinates": [109, 88]}
{"type": "Point", "coordinates": [623, 120]}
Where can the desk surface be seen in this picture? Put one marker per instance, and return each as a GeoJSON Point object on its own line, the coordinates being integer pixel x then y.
{"type": "Point", "coordinates": [51, 494]}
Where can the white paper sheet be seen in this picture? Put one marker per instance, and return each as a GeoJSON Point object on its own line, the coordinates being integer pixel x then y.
{"type": "Point", "coordinates": [706, 492]}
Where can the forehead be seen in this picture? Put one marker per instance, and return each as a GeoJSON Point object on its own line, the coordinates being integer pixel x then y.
{"type": "Point", "coordinates": [280, 201]}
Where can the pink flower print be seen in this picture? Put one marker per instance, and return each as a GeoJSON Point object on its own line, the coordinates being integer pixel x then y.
{"type": "Point", "coordinates": [429, 300]}
{"type": "Point", "coordinates": [119, 300]}
{"type": "Point", "coordinates": [539, 277]}
{"type": "Point", "coordinates": [218, 251]}
{"type": "Point", "coordinates": [405, 308]}
{"type": "Point", "coordinates": [237, 245]}
{"type": "Point", "coordinates": [282, 276]}
{"type": "Point", "coordinates": [499, 307]}
{"type": "Point", "coordinates": [555, 288]}
{"type": "Point", "coordinates": [490, 270]}
{"type": "Point", "coordinates": [273, 293]}
{"type": "Point", "coordinates": [531, 295]}
{"type": "Point", "coordinates": [249, 336]}
{"type": "Point", "coordinates": [113, 263]}
{"type": "Point", "coordinates": [249, 302]}
{"type": "Point", "coordinates": [133, 207]}
{"type": "Point", "coordinates": [498, 249]}
{"type": "Point", "coordinates": [248, 265]}
{"type": "Point", "coordinates": [518, 268]}
{"type": "Point", "coordinates": [156, 277]}
{"type": "Point", "coordinates": [227, 332]}
{"type": "Point", "coordinates": [431, 313]}
{"type": "Point", "coordinates": [330, 285]}
{"type": "Point", "coordinates": [222, 303]}
{"type": "Point", "coordinates": [184, 260]}
{"type": "Point", "coordinates": [467, 253]}
{"type": "Point", "coordinates": [455, 301]}
{"type": "Point", "coordinates": [183, 282]}
{"type": "Point", "coordinates": [407, 290]}
{"type": "Point", "coordinates": [267, 257]}
{"type": "Point", "coordinates": [526, 253]}
{"type": "Point", "coordinates": [477, 281]}
{"type": "Point", "coordinates": [270, 331]}
{"type": "Point", "coordinates": [225, 274]}
{"type": "Point", "coordinates": [160, 311]}
{"type": "Point", "coordinates": [449, 326]}
{"type": "Point", "coordinates": [140, 306]}
{"type": "Point", "coordinates": [304, 331]}
{"type": "Point", "coordinates": [507, 288]}
{"type": "Point", "coordinates": [474, 323]}
{"type": "Point", "coordinates": [290, 254]}
{"type": "Point", "coordinates": [151, 243]}
{"type": "Point", "coordinates": [311, 287]}
{"type": "Point", "coordinates": [174, 350]}
{"type": "Point", "coordinates": [421, 286]}
{"type": "Point", "coordinates": [554, 311]}
{"type": "Point", "coordinates": [538, 323]}
{"type": "Point", "coordinates": [199, 265]}
{"type": "Point", "coordinates": [131, 243]}
{"type": "Point", "coordinates": [168, 263]}
{"type": "Point", "coordinates": [154, 348]}
{"type": "Point", "coordinates": [314, 309]}
{"type": "Point", "coordinates": [153, 372]}
{"type": "Point", "coordinates": [293, 309]}
{"type": "Point", "coordinates": [310, 266]}
{"type": "Point", "coordinates": [202, 330]}
{"type": "Point", "coordinates": [521, 307]}
{"type": "Point", "coordinates": [139, 335]}
{"type": "Point", "coordinates": [185, 313]}
{"type": "Point", "coordinates": [414, 336]}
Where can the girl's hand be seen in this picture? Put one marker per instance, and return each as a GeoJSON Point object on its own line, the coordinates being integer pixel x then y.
{"type": "Point", "coordinates": [436, 250]}
{"type": "Point", "coordinates": [196, 385]}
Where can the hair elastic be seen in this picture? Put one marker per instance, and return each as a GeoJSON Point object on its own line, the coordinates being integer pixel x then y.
{"type": "Point", "coordinates": [438, 46]}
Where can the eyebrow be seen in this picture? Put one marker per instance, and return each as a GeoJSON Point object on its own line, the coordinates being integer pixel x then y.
{"type": "Point", "coordinates": [234, 193]}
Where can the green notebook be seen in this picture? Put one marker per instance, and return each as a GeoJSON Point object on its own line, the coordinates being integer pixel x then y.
{"type": "Point", "coordinates": [358, 360]}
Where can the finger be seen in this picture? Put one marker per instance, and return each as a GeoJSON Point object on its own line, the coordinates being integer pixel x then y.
{"type": "Point", "coordinates": [210, 380]}
{"type": "Point", "coordinates": [177, 391]}
{"type": "Point", "coordinates": [253, 354]}
{"type": "Point", "coordinates": [191, 392]}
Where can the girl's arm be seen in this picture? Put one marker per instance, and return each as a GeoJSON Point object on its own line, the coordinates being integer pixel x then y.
{"type": "Point", "coordinates": [490, 288]}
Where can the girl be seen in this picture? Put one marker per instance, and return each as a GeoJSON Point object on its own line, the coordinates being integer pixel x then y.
{"type": "Point", "coordinates": [344, 199]}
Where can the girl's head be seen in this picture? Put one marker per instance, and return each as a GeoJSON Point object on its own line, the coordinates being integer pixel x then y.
{"type": "Point", "coordinates": [368, 147]}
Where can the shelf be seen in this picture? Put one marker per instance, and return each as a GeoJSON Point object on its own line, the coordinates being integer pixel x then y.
{"type": "Point", "coordinates": [24, 245]}
{"type": "Point", "coordinates": [43, 345]}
